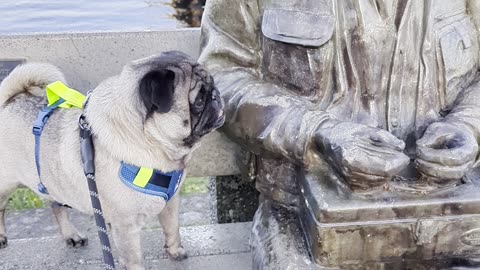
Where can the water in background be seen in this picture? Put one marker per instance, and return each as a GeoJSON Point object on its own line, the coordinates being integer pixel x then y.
{"type": "Point", "coordinates": [30, 16]}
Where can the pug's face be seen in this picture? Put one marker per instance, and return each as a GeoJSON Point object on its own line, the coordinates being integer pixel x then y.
{"type": "Point", "coordinates": [180, 99]}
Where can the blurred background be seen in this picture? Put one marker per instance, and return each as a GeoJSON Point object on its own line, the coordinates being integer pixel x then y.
{"type": "Point", "coordinates": [33, 16]}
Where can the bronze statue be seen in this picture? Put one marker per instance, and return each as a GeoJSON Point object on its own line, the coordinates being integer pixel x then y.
{"type": "Point", "coordinates": [382, 96]}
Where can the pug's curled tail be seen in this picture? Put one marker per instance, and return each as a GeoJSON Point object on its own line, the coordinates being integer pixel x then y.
{"type": "Point", "coordinates": [31, 78]}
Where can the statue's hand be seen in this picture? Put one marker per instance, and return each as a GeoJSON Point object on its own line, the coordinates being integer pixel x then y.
{"type": "Point", "coordinates": [446, 151]}
{"type": "Point", "coordinates": [366, 157]}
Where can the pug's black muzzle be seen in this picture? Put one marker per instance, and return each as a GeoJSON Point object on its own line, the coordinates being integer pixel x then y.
{"type": "Point", "coordinates": [211, 118]}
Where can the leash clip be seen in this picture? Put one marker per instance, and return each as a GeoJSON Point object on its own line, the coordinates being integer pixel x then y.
{"type": "Point", "coordinates": [85, 130]}
{"type": "Point", "coordinates": [84, 127]}
{"type": "Point", "coordinates": [86, 146]}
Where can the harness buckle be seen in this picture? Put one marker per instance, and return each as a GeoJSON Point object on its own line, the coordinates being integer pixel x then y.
{"type": "Point", "coordinates": [37, 131]}
{"type": "Point", "coordinates": [42, 189]}
{"type": "Point", "coordinates": [41, 120]}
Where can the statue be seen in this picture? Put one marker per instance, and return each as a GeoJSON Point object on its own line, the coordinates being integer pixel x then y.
{"type": "Point", "coordinates": [363, 115]}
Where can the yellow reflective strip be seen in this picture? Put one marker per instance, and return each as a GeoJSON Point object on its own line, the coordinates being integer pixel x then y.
{"type": "Point", "coordinates": [143, 176]}
{"type": "Point", "coordinates": [58, 90]}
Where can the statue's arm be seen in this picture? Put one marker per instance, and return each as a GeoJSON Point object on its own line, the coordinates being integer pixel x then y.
{"type": "Point", "coordinates": [260, 114]}
{"type": "Point", "coordinates": [467, 105]}
{"type": "Point", "coordinates": [467, 109]}
{"type": "Point", "coordinates": [474, 8]}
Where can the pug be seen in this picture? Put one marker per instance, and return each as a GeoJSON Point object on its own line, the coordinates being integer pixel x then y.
{"type": "Point", "coordinates": [153, 114]}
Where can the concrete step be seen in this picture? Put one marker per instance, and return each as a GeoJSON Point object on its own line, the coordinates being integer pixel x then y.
{"type": "Point", "coordinates": [220, 246]}
{"type": "Point", "coordinates": [34, 223]}
{"type": "Point", "coordinates": [35, 243]}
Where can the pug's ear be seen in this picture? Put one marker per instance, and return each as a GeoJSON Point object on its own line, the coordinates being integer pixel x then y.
{"type": "Point", "coordinates": [157, 89]}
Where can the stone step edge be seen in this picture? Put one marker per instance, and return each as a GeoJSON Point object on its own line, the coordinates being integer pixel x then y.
{"type": "Point", "coordinates": [206, 240]}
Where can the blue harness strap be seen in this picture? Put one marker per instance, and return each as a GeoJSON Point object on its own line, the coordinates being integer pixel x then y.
{"type": "Point", "coordinates": [38, 126]}
{"type": "Point", "coordinates": [160, 184]}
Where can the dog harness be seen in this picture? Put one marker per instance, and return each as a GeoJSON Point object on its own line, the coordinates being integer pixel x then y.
{"type": "Point", "coordinates": [151, 181]}
{"type": "Point", "coordinates": [58, 96]}
{"type": "Point", "coordinates": [145, 180]}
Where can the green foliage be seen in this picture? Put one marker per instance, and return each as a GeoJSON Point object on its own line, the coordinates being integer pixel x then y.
{"type": "Point", "coordinates": [24, 198]}
{"type": "Point", "coordinates": [195, 185]}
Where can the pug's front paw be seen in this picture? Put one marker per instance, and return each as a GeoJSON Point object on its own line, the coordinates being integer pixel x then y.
{"type": "Point", "coordinates": [76, 241]}
{"type": "Point", "coordinates": [3, 241]}
{"type": "Point", "coordinates": [177, 253]}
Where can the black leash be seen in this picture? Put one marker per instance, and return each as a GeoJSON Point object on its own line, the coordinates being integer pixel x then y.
{"type": "Point", "coordinates": [87, 152]}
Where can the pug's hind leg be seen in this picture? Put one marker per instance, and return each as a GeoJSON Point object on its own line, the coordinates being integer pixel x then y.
{"type": "Point", "coordinates": [72, 237]}
{"type": "Point", "coordinates": [170, 223]}
{"type": "Point", "coordinates": [3, 234]}
{"type": "Point", "coordinates": [5, 192]}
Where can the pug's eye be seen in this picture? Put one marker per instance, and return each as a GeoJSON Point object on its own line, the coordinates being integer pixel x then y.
{"type": "Point", "coordinates": [199, 103]}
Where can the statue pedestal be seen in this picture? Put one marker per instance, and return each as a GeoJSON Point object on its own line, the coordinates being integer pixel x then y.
{"type": "Point", "coordinates": [390, 229]}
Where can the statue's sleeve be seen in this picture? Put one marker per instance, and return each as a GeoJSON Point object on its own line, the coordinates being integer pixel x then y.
{"type": "Point", "coordinates": [467, 105]}
{"type": "Point", "coordinates": [474, 8]}
{"type": "Point", "coordinates": [467, 108]}
{"type": "Point", "coordinates": [262, 115]}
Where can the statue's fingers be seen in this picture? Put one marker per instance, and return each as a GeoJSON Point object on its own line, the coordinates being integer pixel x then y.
{"type": "Point", "coordinates": [444, 172]}
{"type": "Point", "coordinates": [432, 137]}
{"type": "Point", "coordinates": [375, 160]}
{"type": "Point", "coordinates": [448, 157]}
{"type": "Point", "coordinates": [366, 181]}
{"type": "Point", "coordinates": [437, 134]}
{"type": "Point", "coordinates": [384, 138]}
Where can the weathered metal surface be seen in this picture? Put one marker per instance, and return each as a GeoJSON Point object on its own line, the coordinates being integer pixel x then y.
{"type": "Point", "coordinates": [277, 240]}
{"type": "Point", "coordinates": [349, 230]}
{"type": "Point", "coordinates": [380, 99]}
